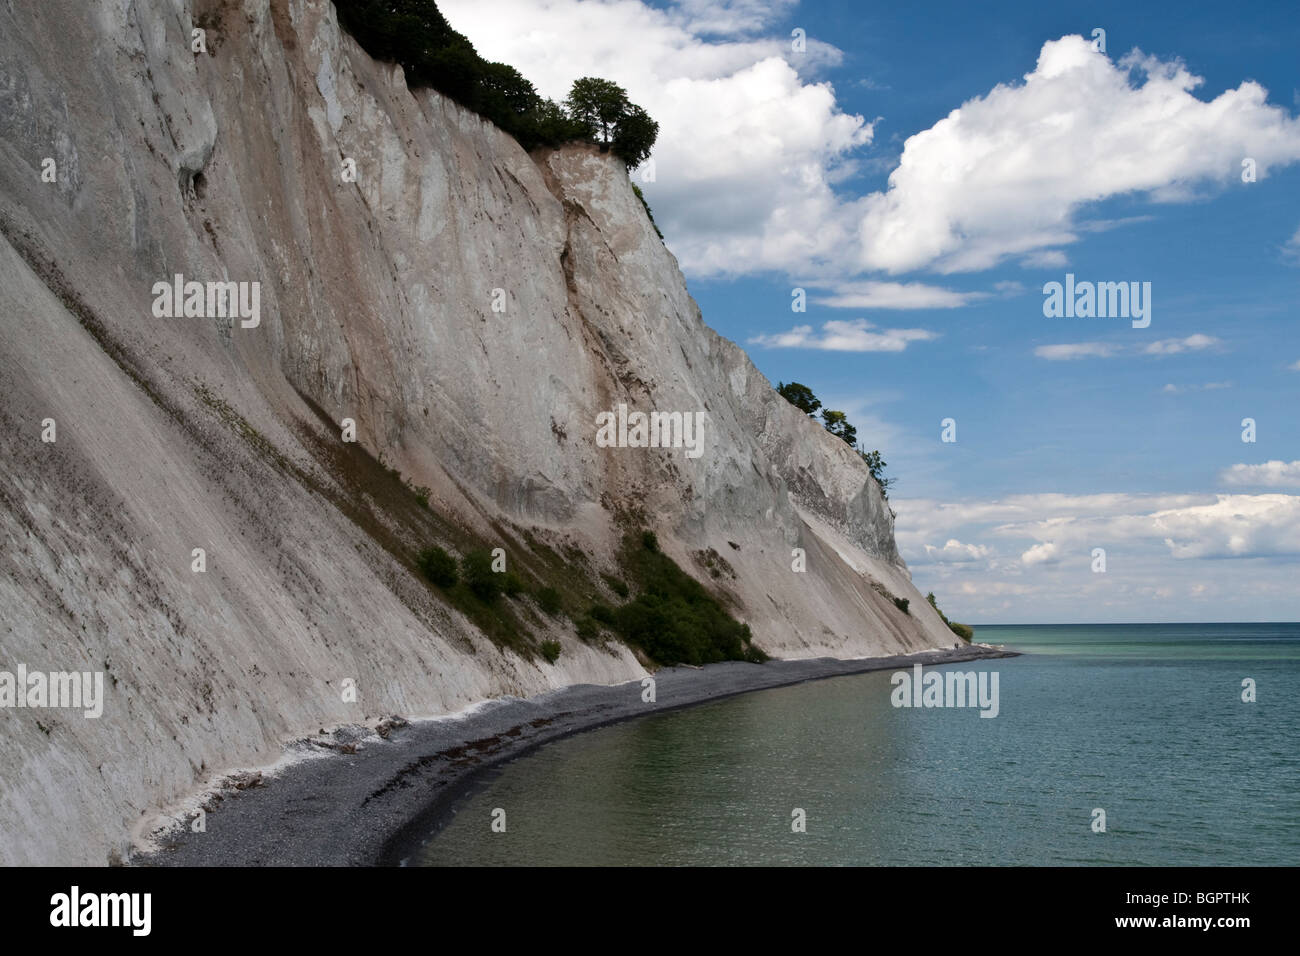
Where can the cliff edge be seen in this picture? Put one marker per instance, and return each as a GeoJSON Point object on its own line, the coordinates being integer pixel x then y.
{"type": "Point", "coordinates": [470, 308]}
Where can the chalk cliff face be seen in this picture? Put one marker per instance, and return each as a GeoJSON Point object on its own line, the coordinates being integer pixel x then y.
{"type": "Point", "coordinates": [377, 305]}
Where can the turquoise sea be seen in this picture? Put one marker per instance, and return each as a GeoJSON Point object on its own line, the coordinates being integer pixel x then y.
{"type": "Point", "coordinates": [1145, 722]}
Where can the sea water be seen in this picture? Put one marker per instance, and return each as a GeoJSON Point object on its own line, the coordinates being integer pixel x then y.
{"type": "Point", "coordinates": [1145, 723]}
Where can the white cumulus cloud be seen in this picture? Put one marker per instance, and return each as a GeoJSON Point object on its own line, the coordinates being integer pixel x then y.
{"type": "Point", "coordinates": [1047, 552]}
{"type": "Point", "coordinates": [754, 149]}
{"type": "Point", "coordinates": [1231, 526]}
{"type": "Point", "coordinates": [1160, 549]}
{"type": "Point", "coordinates": [1271, 474]}
{"type": "Point", "coordinates": [1005, 174]}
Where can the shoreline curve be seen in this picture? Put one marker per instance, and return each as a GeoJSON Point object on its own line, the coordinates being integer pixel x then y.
{"type": "Point", "coordinates": [377, 806]}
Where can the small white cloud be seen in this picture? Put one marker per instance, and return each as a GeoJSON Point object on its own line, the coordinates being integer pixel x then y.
{"type": "Point", "coordinates": [1291, 251]}
{"type": "Point", "coordinates": [895, 295]}
{"type": "Point", "coordinates": [1295, 366]}
{"type": "Point", "coordinates": [1077, 350]}
{"type": "Point", "coordinates": [858, 335]}
{"type": "Point", "coordinates": [954, 552]}
{"type": "Point", "coordinates": [1045, 259]}
{"type": "Point", "coordinates": [1106, 225]}
{"type": "Point", "coordinates": [730, 17]}
{"type": "Point", "coordinates": [1207, 387]}
{"type": "Point", "coordinates": [1271, 474]}
{"type": "Point", "coordinates": [1174, 346]}
{"type": "Point", "coordinates": [1047, 552]}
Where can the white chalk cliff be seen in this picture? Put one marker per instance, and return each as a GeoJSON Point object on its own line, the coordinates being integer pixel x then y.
{"type": "Point", "coordinates": [376, 304]}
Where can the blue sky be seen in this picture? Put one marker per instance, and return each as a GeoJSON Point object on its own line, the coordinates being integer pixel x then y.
{"type": "Point", "coordinates": [1072, 433]}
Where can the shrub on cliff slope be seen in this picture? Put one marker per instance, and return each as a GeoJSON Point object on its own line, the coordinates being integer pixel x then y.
{"type": "Point", "coordinates": [548, 599]}
{"type": "Point", "coordinates": [877, 465]}
{"type": "Point", "coordinates": [673, 619]}
{"type": "Point", "coordinates": [476, 569]}
{"type": "Point", "coordinates": [438, 566]}
{"type": "Point", "coordinates": [964, 631]}
{"type": "Point", "coordinates": [800, 396]}
{"type": "Point", "coordinates": [837, 423]}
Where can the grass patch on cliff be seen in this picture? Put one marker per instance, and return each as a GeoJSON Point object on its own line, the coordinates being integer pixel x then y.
{"type": "Point", "coordinates": [452, 562]}
{"type": "Point", "coordinates": [901, 603]}
{"type": "Point", "coordinates": [255, 439]}
{"type": "Point", "coordinates": [673, 619]}
{"type": "Point", "coordinates": [649, 215]}
{"type": "Point", "coordinates": [650, 603]}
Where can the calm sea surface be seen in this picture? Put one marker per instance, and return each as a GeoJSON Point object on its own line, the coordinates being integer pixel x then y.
{"type": "Point", "coordinates": [1145, 722]}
